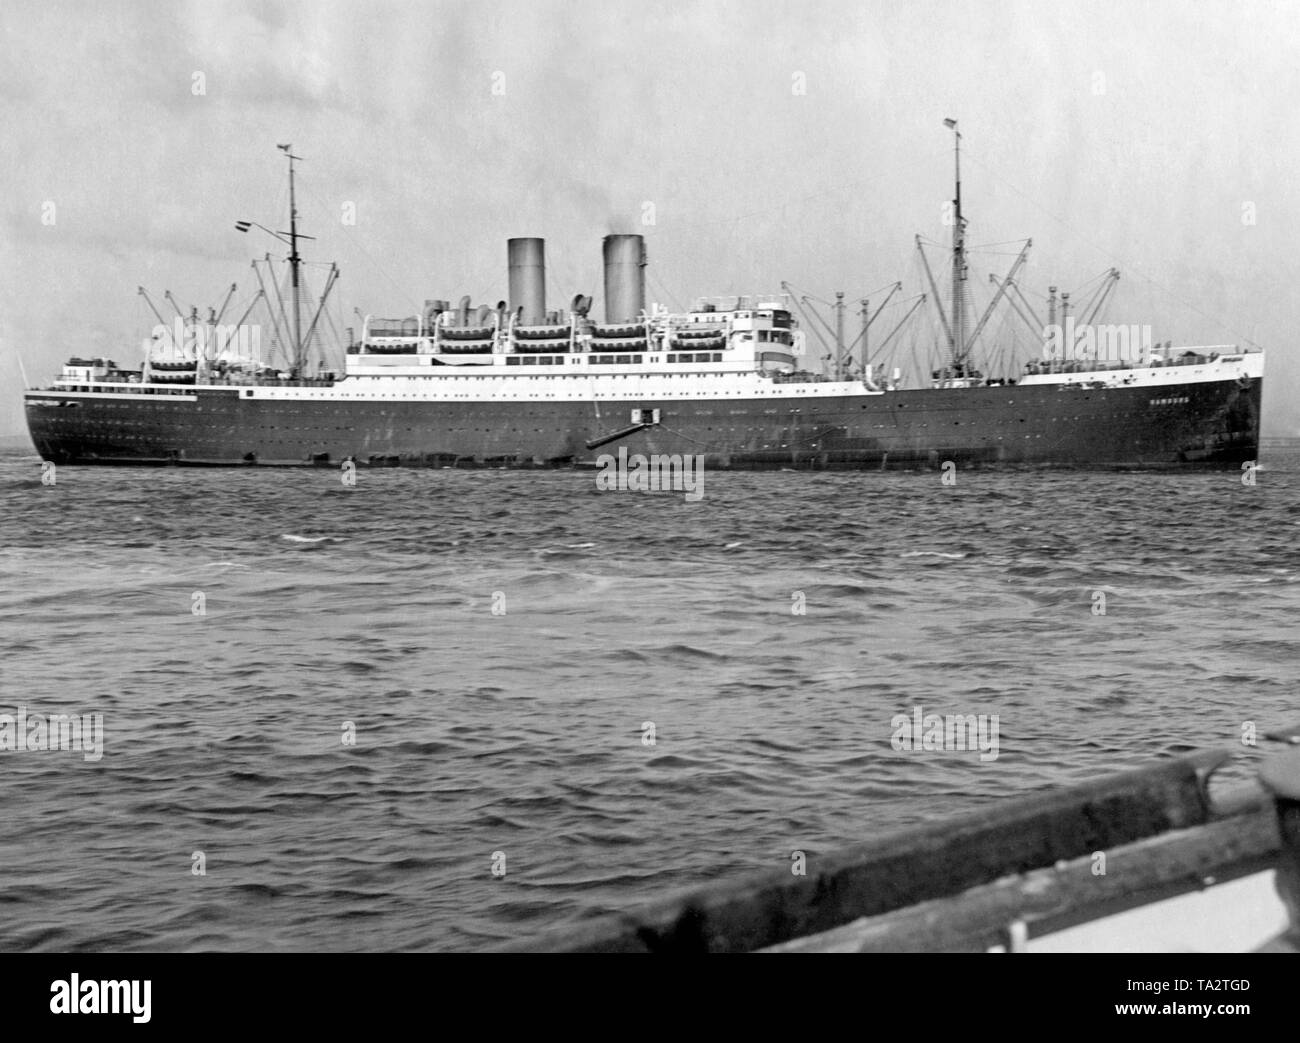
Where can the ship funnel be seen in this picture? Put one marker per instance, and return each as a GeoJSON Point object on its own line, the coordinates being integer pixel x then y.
{"type": "Point", "coordinates": [624, 278]}
{"type": "Point", "coordinates": [527, 266]}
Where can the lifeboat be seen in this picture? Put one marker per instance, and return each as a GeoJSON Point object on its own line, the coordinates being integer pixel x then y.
{"type": "Point", "coordinates": [622, 344]}
{"type": "Point", "coordinates": [541, 333]}
{"type": "Point", "coordinates": [467, 332]}
{"type": "Point", "coordinates": [618, 332]}
{"type": "Point", "coordinates": [467, 347]}
{"type": "Point", "coordinates": [541, 346]}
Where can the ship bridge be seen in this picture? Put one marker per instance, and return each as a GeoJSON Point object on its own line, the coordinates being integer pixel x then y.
{"type": "Point", "coordinates": [766, 331]}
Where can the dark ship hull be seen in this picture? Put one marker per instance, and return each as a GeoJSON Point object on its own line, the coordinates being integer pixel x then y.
{"type": "Point", "coordinates": [1177, 425]}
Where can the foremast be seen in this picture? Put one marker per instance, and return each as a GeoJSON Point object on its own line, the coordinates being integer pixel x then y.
{"type": "Point", "coordinates": [298, 346]}
{"type": "Point", "coordinates": [295, 266]}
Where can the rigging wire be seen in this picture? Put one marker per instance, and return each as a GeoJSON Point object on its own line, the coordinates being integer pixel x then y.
{"type": "Point", "coordinates": [927, 162]}
{"type": "Point", "coordinates": [1116, 262]}
{"type": "Point", "coordinates": [663, 290]}
{"type": "Point", "coordinates": [355, 240]}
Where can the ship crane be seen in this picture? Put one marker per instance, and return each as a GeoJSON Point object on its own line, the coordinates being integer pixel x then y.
{"type": "Point", "coordinates": [868, 318]}
{"type": "Point", "coordinates": [836, 348]}
{"type": "Point", "coordinates": [960, 351]}
{"type": "Point", "coordinates": [799, 303]}
{"type": "Point", "coordinates": [917, 301]}
{"type": "Point", "coordinates": [1019, 305]}
{"type": "Point", "coordinates": [934, 289]}
{"type": "Point", "coordinates": [280, 322]}
{"type": "Point", "coordinates": [330, 280]}
{"type": "Point", "coordinates": [149, 301]}
{"type": "Point", "coordinates": [277, 313]}
{"type": "Point", "coordinates": [260, 295]}
{"type": "Point", "coordinates": [215, 315]}
{"type": "Point", "coordinates": [167, 296]}
{"type": "Point", "coordinates": [1098, 300]}
{"type": "Point", "coordinates": [1018, 294]}
{"type": "Point", "coordinates": [988, 312]}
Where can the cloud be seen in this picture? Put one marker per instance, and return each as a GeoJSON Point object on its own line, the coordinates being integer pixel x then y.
{"type": "Point", "coordinates": [604, 107]}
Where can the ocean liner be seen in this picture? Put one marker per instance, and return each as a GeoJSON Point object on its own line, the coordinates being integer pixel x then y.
{"type": "Point", "coordinates": [520, 385]}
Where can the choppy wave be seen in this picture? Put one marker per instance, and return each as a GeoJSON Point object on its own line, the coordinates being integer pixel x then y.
{"type": "Point", "coordinates": [605, 696]}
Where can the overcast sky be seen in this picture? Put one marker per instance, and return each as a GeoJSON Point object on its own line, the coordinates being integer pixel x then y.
{"type": "Point", "coordinates": [775, 141]}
